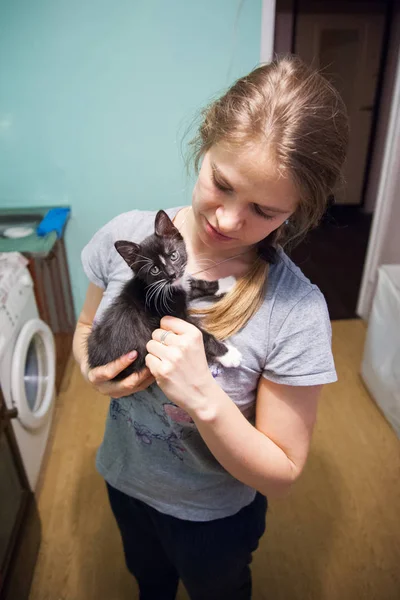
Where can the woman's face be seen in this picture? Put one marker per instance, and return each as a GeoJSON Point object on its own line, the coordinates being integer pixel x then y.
{"type": "Point", "coordinates": [239, 199]}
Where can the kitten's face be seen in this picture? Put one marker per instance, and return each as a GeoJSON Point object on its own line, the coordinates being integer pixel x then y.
{"type": "Point", "coordinates": [160, 258]}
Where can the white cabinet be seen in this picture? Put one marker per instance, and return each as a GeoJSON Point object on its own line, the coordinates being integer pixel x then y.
{"type": "Point", "coordinates": [380, 368]}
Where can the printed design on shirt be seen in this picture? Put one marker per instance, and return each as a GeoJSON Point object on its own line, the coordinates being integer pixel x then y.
{"type": "Point", "coordinates": [215, 370]}
{"type": "Point", "coordinates": [176, 413]}
{"type": "Point", "coordinates": [116, 409]}
{"type": "Point", "coordinates": [145, 435]}
{"type": "Point", "coordinates": [171, 410]}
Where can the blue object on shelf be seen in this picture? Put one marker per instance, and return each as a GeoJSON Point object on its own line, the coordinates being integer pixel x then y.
{"type": "Point", "coordinates": [53, 221]}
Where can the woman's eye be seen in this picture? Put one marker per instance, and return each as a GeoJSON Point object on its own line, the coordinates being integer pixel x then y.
{"type": "Point", "coordinates": [174, 255]}
{"type": "Point", "coordinates": [256, 208]}
{"type": "Point", "coordinates": [154, 270]}
{"type": "Point", "coordinates": [259, 212]}
{"type": "Point", "coordinates": [219, 185]}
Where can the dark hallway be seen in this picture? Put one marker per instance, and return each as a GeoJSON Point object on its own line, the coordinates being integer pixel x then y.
{"type": "Point", "coordinates": [333, 255]}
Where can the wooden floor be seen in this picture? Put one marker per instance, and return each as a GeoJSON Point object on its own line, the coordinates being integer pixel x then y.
{"type": "Point", "coordinates": [336, 537]}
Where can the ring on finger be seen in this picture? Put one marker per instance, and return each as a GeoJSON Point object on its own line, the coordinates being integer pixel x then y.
{"type": "Point", "coordinates": [163, 336]}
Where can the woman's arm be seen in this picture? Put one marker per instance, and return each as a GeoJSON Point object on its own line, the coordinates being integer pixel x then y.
{"type": "Point", "coordinates": [268, 456]}
{"type": "Point", "coordinates": [84, 325]}
{"type": "Point", "coordinates": [100, 376]}
{"type": "Point", "coordinates": [271, 455]}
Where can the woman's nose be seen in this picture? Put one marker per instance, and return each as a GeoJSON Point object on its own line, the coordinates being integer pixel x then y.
{"type": "Point", "coordinates": [229, 219]}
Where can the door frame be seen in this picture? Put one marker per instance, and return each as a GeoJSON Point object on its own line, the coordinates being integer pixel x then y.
{"type": "Point", "coordinates": [268, 16]}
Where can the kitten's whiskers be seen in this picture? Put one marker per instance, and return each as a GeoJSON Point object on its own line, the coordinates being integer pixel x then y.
{"type": "Point", "coordinates": [166, 292]}
{"type": "Point", "coordinates": [152, 291]}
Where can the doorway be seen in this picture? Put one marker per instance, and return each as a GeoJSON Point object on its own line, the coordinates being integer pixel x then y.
{"type": "Point", "coordinates": [349, 42]}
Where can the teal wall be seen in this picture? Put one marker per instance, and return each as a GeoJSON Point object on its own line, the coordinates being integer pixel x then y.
{"type": "Point", "coordinates": [95, 96]}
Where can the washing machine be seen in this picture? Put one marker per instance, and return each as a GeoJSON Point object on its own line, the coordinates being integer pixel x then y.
{"type": "Point", "coordinates": [27, 363]}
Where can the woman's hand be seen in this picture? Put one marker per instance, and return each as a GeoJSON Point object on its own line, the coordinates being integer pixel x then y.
{"type": "Point", "coordinates": [100, 377]}
{"type": "Point", "coordinates": [179, 364]}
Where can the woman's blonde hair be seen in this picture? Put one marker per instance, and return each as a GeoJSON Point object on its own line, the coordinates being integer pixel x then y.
{"type": "Point", "coordinates": [290, 109]}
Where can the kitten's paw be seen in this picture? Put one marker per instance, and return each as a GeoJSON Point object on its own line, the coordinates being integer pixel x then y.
{"type": "Point", "coordinates": [232, 358]}
{"type": "Point", "coordinates": [183, 282]}
{"type": "Point", "coordinates": [225, 285]}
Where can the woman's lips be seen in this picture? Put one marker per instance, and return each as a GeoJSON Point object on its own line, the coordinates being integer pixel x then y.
{"type": "Point", "coordinates": [215, 234]}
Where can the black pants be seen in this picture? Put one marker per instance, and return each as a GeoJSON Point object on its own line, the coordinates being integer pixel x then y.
{"type": "Point", "coordinates": [212, 558]}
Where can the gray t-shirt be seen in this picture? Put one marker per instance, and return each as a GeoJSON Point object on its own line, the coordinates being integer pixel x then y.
{"type": "Point", "coordinates": [152, 450]}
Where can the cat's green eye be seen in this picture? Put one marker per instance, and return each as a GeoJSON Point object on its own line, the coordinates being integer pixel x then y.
{"type": "Point", "coordinates": [174, 255]}
{"type": "Point", "coordinates": [154, 270]}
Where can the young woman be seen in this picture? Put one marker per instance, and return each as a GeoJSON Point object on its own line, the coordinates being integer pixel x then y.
{"type": "Point", "coordinates": [190, 460]}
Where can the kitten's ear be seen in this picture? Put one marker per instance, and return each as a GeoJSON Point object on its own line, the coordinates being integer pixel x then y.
{"type": "Point", "coordinates": [128, 250]}
{"type": "Point", "coordinates": [164, 225]}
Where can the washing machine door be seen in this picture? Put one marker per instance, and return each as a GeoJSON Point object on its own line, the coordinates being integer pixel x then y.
{"type": "Point", "coordinates": [33, 373]}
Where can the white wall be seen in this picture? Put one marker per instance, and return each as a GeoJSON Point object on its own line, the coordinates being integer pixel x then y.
{"type": "Point", "coordinates": [391, 244]}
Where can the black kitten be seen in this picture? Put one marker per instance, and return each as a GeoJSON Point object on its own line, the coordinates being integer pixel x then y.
{"type": "Point", "coordinates": [159, 287]}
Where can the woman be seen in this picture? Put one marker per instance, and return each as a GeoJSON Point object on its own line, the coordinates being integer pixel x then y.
{"type": "Point", "coordinates": [190, 460]}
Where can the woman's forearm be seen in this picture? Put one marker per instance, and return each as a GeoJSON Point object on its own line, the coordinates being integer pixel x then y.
{"type": "Point", "coordinates": [79, 347]}
{"type": "Point", "coordinates": [242, 450]}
